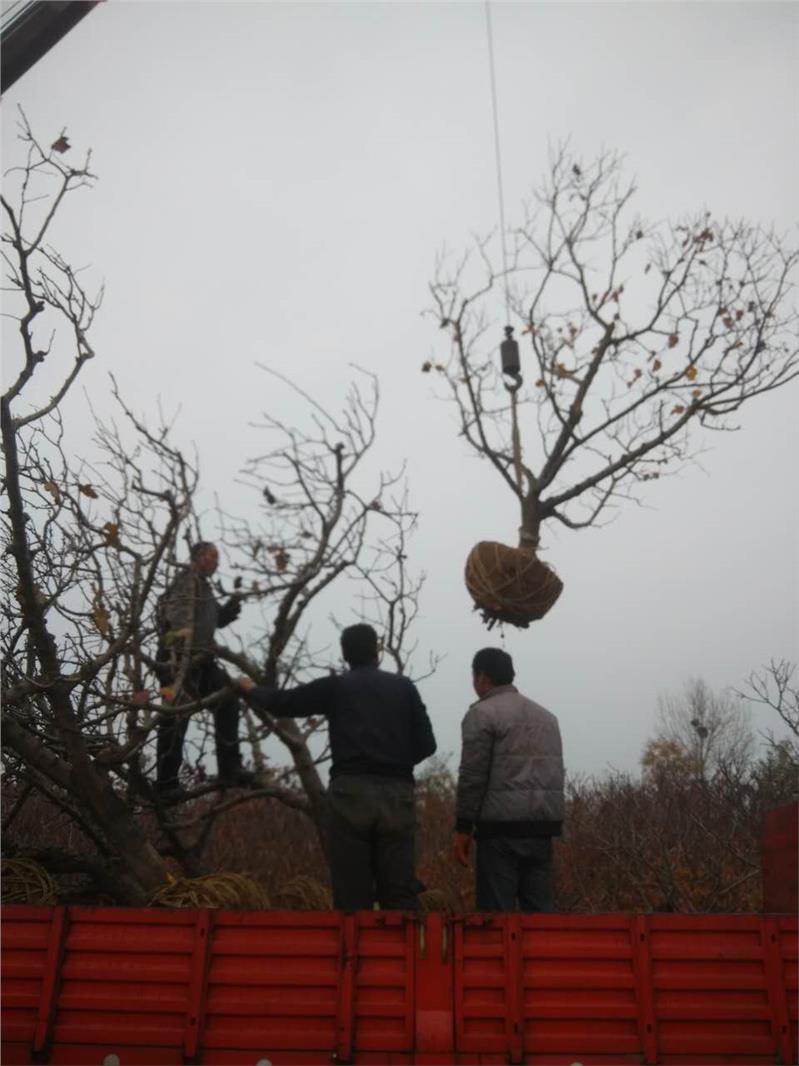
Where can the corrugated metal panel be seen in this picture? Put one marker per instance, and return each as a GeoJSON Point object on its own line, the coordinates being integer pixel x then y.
{"type": "Point", "coordinates": [667, 988]}
{"type": "Point", "coordinates": [30, 968]}
{"type": "Point", "coordinates": [710, 986]}
{"type": "Point", "coordinates": [22, 970]}
{"type": "Point", "coordinates": [546, 985]}
{"type": "Point", "coordinates": [273, 981]}
{"type": "Point", "coordinates": [384, 993]}
{"type": "Point", "coordinates": [152, 986]}
{"type": "Point", "coordinates": [125, 978]}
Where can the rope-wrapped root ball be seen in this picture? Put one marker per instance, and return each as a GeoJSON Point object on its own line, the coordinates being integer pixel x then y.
{"type": "Point", "coordinates": [25, 881]}
{"type": "Point", "coordinates": [433, 900]}
{"type": "Point", "coordinates": [302, 893]}
{"type": "Point", "coordinates": [510, 584]}
{"type": "Point", "coordinates": [231, 891]}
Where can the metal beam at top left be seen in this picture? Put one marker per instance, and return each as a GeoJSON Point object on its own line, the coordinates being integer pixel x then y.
{"type": "Point", "coordinates": [29, 30]}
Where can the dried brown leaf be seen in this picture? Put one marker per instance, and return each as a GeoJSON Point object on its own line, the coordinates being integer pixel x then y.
{"type": "Point", "coordinates": [111, 534]}
{"type": "Point", "coordinates": [101, 619]}
{"type": "Point", "coordinates": [281, 560]}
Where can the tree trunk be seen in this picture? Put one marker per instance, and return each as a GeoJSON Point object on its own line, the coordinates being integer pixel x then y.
{"type": "Point", "coordinates": [529, 530]}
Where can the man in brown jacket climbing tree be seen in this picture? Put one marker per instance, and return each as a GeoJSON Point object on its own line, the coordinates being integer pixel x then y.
{"type": "Point", "coordinates": [189, 616]}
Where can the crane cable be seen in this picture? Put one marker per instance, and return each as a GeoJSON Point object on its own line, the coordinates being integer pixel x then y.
{"type": "Point", "coordinates": [497, 153]}
{"type": "Point", "coordinates": [515, 437]}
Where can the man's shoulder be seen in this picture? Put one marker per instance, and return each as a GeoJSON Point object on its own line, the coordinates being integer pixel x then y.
{"type": "Point", "coordinates": [184, 577]}
{"type": "Point", "coordinates": [510, 699]}
{"type": "Point", "coordinates": [179, 587]}
{"type": "Point", "coordinates": [534, 705]}
{"type": "Point", "coordinates": [394, 680]}
{"type": "Point", "coordinates": [386, 680]}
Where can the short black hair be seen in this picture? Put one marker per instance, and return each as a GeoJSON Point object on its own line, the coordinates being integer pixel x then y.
{"type": "Point", "coordinates": [200, 547]}
{"type": "Point", "coordinates": [496, 664]}
{"type": "Point", "coordinates": [359, 645]}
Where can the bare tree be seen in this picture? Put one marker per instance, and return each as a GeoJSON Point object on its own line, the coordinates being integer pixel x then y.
{"type": "Point", "coordinates": [316, 527]}
{"type": "Point", "coordinates": [703, 730]}
{"type": "Point", "coordinates": [92, 545]}
{"type": "Point", "coordinates": [773, 686]}
{"type": "Point", "coordinates": [635, 333]}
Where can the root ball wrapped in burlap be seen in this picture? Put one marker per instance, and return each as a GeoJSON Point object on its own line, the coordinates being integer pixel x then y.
{"type": "Point", "coordinates": [510, 584]}
{"type": "Point", "coordinates": [433, 900]}
{"type": "Point", "coordinates": [25, 881]}
{"type": "Point", "coordinates": [228, 891]}
{"type": "Point", "coordinates": [302, 893]}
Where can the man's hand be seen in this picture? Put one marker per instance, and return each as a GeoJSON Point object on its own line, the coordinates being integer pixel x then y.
{"type": "Point", "coordinates": [463, 843]}
{"type": "Point", "coordinates": [177, 634]}
{"type": "Point", "coordinates": [244, 684]}
{"type": "Point", "coordinates": [229, 611]}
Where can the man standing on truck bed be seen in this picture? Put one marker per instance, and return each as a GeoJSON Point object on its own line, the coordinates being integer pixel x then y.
{"type": "Point", "coordinates": [379, 730]}
{"type": "Point", "coordinates": [510, 790]}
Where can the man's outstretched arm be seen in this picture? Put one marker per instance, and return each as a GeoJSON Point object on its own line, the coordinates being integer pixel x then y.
{"type": "Point", "coordinates": [312, 700]}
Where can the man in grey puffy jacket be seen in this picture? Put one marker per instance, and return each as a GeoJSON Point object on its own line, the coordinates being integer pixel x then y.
{"type": "Point", "coordinates": [510, 790]}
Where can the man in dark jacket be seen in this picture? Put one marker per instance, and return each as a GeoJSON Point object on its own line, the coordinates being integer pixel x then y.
{"type": "Point", "coordinates": [379, 730]}
{"type": "Point", "coordinates": [189, 616]}
{"type": "Point", "coordinates": [510, 790]}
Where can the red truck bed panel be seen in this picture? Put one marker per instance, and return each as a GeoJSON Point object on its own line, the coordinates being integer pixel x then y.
{"type": "Point", "coordinates": [123, 987]}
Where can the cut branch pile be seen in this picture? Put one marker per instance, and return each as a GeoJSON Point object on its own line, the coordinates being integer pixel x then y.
{"type": "Point", "coordinates": [303, 893]}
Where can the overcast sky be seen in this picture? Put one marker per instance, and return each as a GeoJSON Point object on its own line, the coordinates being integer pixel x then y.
{"type": "Point", "coordinates": [276, 180]}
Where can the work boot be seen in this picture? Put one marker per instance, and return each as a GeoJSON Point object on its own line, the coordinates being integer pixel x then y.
{"type": "Point", "coordinates": [170, 791]}
{"type": "Point", "coordinates": [236, 777]}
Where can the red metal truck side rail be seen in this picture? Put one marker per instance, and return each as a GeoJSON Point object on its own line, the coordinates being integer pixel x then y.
{"type": "Point", "coordinates": [779, 851]}
{"type": "Point", "coordinates": [122, 986]}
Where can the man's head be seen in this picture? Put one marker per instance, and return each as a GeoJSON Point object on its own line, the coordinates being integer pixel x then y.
{"type": "Point", "coordinates": [204, 558]}
{"type": "Point", "coordinates": [491, 667]}
{"type": "Point", "coordinates": [359, 645]}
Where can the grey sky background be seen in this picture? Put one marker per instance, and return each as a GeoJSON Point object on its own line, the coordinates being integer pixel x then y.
{"type": "Point", "coordinates": [276, 180]}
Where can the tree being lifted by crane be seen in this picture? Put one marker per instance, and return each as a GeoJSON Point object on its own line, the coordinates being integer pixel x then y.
{"type": "Point", "coordinates": [636, 333]}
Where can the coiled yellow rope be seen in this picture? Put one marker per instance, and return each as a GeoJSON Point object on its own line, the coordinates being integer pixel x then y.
{"type": "Point", "coordinates": [25, 881]}
{"type": "Point", "coordinates": [230, 891]}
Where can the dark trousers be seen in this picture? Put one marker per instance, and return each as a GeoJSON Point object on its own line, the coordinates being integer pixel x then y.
{"type": "Point", "coordinates": [510, 869]}
{"type": "Point", "coordinates": [371, 836]}
{"type": "Point", "coordinates": [200, 681]}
